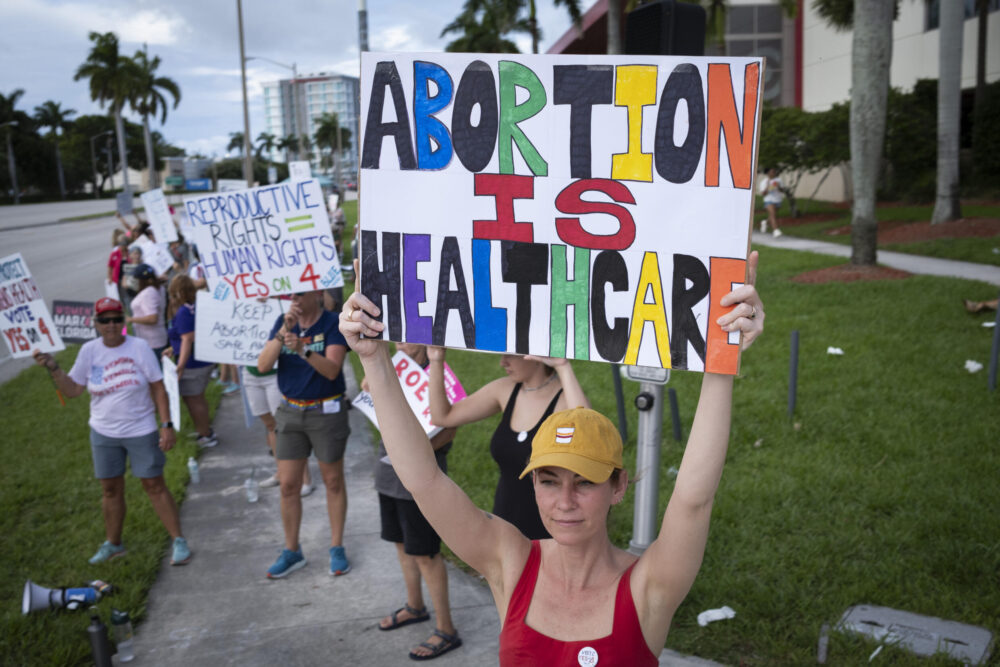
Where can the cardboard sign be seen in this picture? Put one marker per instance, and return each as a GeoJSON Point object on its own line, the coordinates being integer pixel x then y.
{"type": "Point", "coordinates": [74, 320]}
{"type": "Point", "coordinates": [414, 380]}
{"type": "Point", "coordinates": [299, 171]}
{"type": "Point", "coordinates": [123, 202]}
{"type": "Point", "coordinates": [589, 207]}
{"type": "Point", "coordinates": [231, 184]}
{"type": "Point", "coordinates": [233, 331]}
{"type": "Point", "coordinates": [111, 291]}
{"type": "Point", "coordinates": [157, 255]}
{"type": "Point", "coordinates": [171, 384]}
{"type": "Point", "coordinates": [158, 215]}
{"type": "Point", "coordinates": [265, 241]}
{"type": "Point", "coordinates": [24, 319]}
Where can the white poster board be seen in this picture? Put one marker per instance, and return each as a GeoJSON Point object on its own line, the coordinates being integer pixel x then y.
{"type": "Point", "coordinates": [265, 241]}
{"type": "Point", "coordinates": [24, 318]}
{"type": "Point", "coordinates": [231, 184]}
{"type": "Point", "coordinates": [233, 331]}
{"type": "Point", "coordinates": [158, 215]}
{"type": "Point", "coordinates": [299, 171]}
{"type": "Point", "coordinates": [170, 383]}
{"type": "Point", "coordinates": [111, 290]}
{"type": "Point", "coordinates": [579, 206]}
{"type": "Point", "coordinates": [157, 255]}
{"type": "Point", "coordinates": [415, 383]}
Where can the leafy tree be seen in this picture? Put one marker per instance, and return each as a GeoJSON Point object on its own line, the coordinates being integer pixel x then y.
{"type": "Point", "coordinates": [572, 6]}
{"type": "Point", "coordinates": [289, 144]}
{"type": "Point", "coordinates": [113, 80]}
{"type": "Point", "coordinates": [306, 143]}
{"type": "Point", "coordinates": [786, 145]}
{"type": "Point", "coordinates": [331, 135]}
{"type": "Point", "coordinates": [51, 115]}
{"type": "Point", "coordinates": [483, 26]}
{"type": "Point", "coordinates": [986, 139]}
{"type": "Point", "coordinates": [235, 143]}
{"type": "Point", "coordinates": [266, 143]}
{"type": "Point", "coordinates": [9, 117]}
{"type": "Point", "coordinates": [910, 151]}
{"type": "Point", "coordinates": [148, 100]}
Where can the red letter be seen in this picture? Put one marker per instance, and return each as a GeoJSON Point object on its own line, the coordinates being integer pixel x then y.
{"type": "Point", "coordinates": [572, 232]}
{"type": "Point", "coordinates": [263, 291]}
{"type": "Point", "coordinates": [419, 393]}
{"type": "Point", "coordinates": [722, 115]}
{"type": "Point", "coordinates": [232, 283]}
{"type": "Point", "coordinates": [402, 366]}
{"type": "Point", "coordinates": [505, 188]}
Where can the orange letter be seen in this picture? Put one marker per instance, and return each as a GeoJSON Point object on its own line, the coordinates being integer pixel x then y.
{"type": "Point", "coordinates": [721, 356]}
{"type": "Point", "coordinates": [722, 116]}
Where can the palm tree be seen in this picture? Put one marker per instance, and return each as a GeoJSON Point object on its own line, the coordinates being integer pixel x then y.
{"type": "Point", "coordinates": [112, 80]}
{"type": "Point", "coordinates": [946, 205]}
{"type": "Point", "coordinates": [148, 100]}
{"type": "Point", "coordinates": [871, 56]}
{"type": "Point", "coordinates": [330, 134]}
{"type": "Point", "coordinates": [483, 24]}
{"type": "Point", "coordinates": [572, 6]}
{"type": "Point", "coordinates": [289, 144]}
{"type": "Point", "coordinates": [266, 143]}
{"type": "Point", "coordinates": [8, 117]}
{"type": "Point", "coordinates": [51, 115]}
{"type": "Point", "coordinates": [235, 143]}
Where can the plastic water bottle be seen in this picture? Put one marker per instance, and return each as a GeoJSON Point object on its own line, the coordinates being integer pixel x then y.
{"type": "Point", "coordinates": [193, 470]}
{"type": "Point", "coordinates": [252, 487]}
{"type": "Point", "coordinates": [122, 628]}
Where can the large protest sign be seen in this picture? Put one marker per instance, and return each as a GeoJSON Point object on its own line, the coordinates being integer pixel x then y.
{"type": "Point", "coordinates": [232, 331]}
{"type": "Point", "coordinates": [590, 207]}
{"type": "Point", "coordinates": [74, 320]}
{"type": "Point", "coordinates": [24, 319]}
{"type": "Point", "coordinates": [157, 255]}
{"type": "Point", "coordinates": [172, 386]}
{"type": "Point", "coordinates": [158, 215]}
{"type": "Point", "coordinates": [415, 382]}
{"type": "Point", "coordinates": [265, 241]}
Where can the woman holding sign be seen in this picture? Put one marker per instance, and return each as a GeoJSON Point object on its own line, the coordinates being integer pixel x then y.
{"type": "Point", "coordinates": [192, 375]}
{"type": "Point", "coordinates": [575, 598]}
{"type": "Point", "coordinates": [533, 389]}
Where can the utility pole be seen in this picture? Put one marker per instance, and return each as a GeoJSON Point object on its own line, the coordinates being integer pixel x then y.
{"type": "Point", "coordinates": [247, 156]}
{"type": "Point", "coordinates": [11, 164]}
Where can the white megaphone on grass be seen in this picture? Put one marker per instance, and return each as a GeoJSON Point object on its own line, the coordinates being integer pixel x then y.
{"type": "Point", "coordinates": [38, 597]}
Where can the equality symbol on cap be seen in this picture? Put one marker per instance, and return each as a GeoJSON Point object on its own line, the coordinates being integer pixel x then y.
{"type": "Point", "coordinates": [564, 434]}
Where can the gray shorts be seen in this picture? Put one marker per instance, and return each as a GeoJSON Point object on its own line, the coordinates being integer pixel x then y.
{"type": "Point", "coordinates": [303, 431]}
{"type": "Point", "coordinates": [194, 380]}
{"type": "Point", "coordinates": [143, 450]}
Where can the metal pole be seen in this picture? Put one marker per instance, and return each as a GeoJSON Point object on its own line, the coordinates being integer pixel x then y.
{"type": "Point", "coordinates": [793, 373]}
{"type": "Point", "coordinates": [362, 26]}
{"type": "Point", "coordinates": [111, 161]}
{"type": "Point", "coordinates": [247, 157]}
{"type": "Point", "coordinates": [647, 466]}
{"type": "Point", "coordinates": [12, 164]}
{"type": "Point", "coordinates": [995, 351]}
{"type": "Point", "coordinates": [616, 377]}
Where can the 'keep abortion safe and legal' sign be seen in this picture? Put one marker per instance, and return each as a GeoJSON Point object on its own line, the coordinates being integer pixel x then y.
{"type": "Point", "coordinates": [590, 207]}
{"type": "Point", "coordinates": [24, 318]}
{"type": "Point", "coordinates": [233, 331]}
{"type": "Point", "coordinates": [265, 241]}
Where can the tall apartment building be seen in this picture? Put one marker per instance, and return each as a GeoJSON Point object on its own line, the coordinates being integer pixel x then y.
{"type": "Point", "coordinates": [294, 108]}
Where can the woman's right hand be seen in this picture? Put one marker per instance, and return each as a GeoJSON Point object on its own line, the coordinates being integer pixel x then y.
{"type": "Point", "coordinates": [357, 319]}
{"type": "Point", "coordinates": [435, 353]}
{"type": "Point", "coordinates": [45, 359]}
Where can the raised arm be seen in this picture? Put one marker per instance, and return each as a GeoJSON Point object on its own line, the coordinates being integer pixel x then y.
{"type": "Point", "coordinates": [475, 536]}
{"type": "Point", "coordinates": [484, 402]}
{"type": "Point", "coordinates": [64, 382]}
{"type": "Point", "coordinates": [573, 396]}
{"type": "Point", "coordinates": [667, 569]}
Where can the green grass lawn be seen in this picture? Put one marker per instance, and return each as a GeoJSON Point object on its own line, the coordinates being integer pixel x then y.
{"type": "Point", "coordinates": [978, 250]}
{"type": "Point", "coordinates": [50, 520]}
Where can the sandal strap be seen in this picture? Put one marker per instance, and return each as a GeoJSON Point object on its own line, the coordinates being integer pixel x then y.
{"type": "Point", "coordinates": [412, 611]}
{"type": "Point", "coordinates": [449, 639]}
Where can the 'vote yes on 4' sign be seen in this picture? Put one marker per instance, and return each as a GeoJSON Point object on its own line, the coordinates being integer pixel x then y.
{"type": "Point", "coordinates": [265, 241]}
{"type": "Point", "coordinates": [24, 318]}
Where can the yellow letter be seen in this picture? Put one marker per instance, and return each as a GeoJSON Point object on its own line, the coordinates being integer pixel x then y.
{"type": "Point", "coordinates": [635, 87]}
{"type": "Point", "coordinates": [642, 312]}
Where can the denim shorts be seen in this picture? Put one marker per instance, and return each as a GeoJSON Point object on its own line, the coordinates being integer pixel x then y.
{"type": "Point", "coordinates": [144, 451]}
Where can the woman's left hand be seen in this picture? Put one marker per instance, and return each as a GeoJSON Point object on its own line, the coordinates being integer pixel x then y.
{"type": "Point", "coordinates": [748, 315]}
{"type": "Point", "coordinates": [554, 362]}
{"type": "Point", "coordinates": [168, 438]}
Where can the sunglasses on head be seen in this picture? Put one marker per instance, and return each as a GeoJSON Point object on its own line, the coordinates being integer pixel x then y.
{"type": "Point", "coordinates": [115, 319]}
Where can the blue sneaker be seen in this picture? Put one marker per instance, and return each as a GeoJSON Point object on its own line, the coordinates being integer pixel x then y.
{"type": "Point", "coordinates": [287, 562]}
{"type": "Point", "coordinates": [338, 562]}
{"type": "Point", "coordinates": [106, 552]}
{"type": "Point", "coordinates": [181, 554]}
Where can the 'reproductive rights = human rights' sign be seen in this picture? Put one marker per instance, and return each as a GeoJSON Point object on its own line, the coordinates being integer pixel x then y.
{"type": "Point", "coordinates": [590, 207]}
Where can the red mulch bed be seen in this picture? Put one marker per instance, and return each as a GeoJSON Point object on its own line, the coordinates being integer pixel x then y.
{"type": "Point", "coordinates": [848, 273]}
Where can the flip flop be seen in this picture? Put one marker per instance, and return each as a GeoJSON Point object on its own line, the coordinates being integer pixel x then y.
{"type": "Point", "coordinates": [448, 643]}
{"type": "Point", "coordinates": [419, 616]}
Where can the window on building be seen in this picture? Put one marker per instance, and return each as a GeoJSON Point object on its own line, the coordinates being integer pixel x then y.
{"type": "Point", "coordinates": [756, 30]}
{"type": "Point", "coordinates": [932, 9]}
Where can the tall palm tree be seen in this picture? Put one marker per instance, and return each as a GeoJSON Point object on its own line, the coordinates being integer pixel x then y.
{"type": "Point", "coordinates": [306, 143]}
{"type": "Point", "coordinates": [871, 56]}
{"type": "Point", "coordinates": [572, 6]}
{"type": "Point", "coordinates": [50, 114]}
{"type": "Point", "coordinates": [148, 100]}
{"type": "Point", "coordinates": [112, 81]}
{"type": "Point", "coordinates": [266, 143]}
{"type": "Point", "coordinates": [946, 204]}
{"type": "Point", "coordinates": [8, 116]}
{"type": "Point", "coordinates": [483, 24]}
{"type": "Point", "coordinates": [235, 143]}
{"type": "Point", "coordinates": [330, 134]}
{"type": "Point", "coordinates": [289, 144]}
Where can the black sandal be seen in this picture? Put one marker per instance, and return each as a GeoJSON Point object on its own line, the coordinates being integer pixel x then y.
{"type": "Point", "coordinates": [448, 643]}
{"type": "Point", "coordinates": [419, 616]}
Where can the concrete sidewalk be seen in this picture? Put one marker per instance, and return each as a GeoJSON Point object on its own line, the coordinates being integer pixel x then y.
{"type": "Point", "coordinates": [931, 266]}
{"type": "Point", "coordinates": [221, 609]}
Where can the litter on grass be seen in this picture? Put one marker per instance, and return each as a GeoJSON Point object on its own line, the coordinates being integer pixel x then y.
{"type": "Point", "coordinates": [720, 614]}
{"type": "Point", "coordinates": [989, 324]}
{"type": "Point", "coordinates": [973, 366]}
{"type": "Point", "coordinates": [834, 350]}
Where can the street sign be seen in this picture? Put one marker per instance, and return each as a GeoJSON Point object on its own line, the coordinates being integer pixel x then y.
{"type": "Point", "coordinates": [174, 181]}
{"type": "Point", "coordinates": [198, 184]}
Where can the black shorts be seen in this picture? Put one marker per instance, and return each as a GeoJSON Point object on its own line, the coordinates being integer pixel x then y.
{"type": "Point", "coordinates": [402, 522]}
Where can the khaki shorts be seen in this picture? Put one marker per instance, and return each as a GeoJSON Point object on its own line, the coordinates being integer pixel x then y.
{"type": "Point", "coordinates": [303, 431]}
{"type": "Point", "coordinates": [194, 380]}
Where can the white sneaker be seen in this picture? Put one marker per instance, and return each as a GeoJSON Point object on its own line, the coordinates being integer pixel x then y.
{"type": "Point", "coordinates": [777, 233]}
{"type": "Point", "coordinates": [763, 226]}
{"type": "Point", "coordinates": [270, 481]}
{"type": "Point", "coordinates": [209, 440]}
{"type": "Point", "coordinates": [307, 489]}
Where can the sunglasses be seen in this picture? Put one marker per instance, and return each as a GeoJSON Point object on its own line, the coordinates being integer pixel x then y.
{"type": "Point", "coordinates": [110, 320]}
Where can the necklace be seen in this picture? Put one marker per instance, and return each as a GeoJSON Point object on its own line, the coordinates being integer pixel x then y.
{"type": "Point", "coordinates": [527, 388]}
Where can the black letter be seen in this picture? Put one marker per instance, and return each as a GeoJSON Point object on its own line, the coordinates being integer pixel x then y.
{"type": "Point", "coordinates": [684, 326]}
{"type": "Point", "coordinates": [375, 284]}
{"type": "Point", "coordinates": [451, 262]}
{"type": "Point", "coordinates": [524, 264]}
{"type": "Point", "coordinates": [581, 87]}
{"type": "Point", "coordinates": [376, 130]}
{"type": "Point", "coordinates": [611, 342]}
{"type": "Point", "coordinates": [474, 144]}
{"type": "Point", "coordinates": [677, 164]}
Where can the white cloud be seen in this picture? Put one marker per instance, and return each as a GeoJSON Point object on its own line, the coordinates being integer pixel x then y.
{"type": "Point", "coordinates": [149, 26]}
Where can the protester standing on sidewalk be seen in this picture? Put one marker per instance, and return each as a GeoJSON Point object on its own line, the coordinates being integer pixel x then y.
{"type": "Point", "coordinates": [575, 598]}
{"type": "Point", "coordinates": [123, 378]}
{"type": "Point", "coordinates": [418, 546]}
{"type": "Point", "coordinates": [772, 189]}
{"type": "Point", "coordinates": [309, 351]}
{"type": "Point", "coordinates": [119, 245]}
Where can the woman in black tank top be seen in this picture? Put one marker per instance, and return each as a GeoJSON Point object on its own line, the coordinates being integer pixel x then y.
{"type": "Point", "coordinates": [532, 389]}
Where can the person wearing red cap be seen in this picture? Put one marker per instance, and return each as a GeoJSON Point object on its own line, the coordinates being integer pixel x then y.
{"type": "Point", "coordinates": [123, 378]}
{"type": "Point", "coordinates": [575, 598]}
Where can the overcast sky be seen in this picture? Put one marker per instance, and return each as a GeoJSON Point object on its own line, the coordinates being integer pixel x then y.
{"type": "Point", "coordinates": [43, 42]}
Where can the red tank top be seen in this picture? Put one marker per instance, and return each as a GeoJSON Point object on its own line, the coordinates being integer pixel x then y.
{"type": "Point", "coordinates": [521, 645]}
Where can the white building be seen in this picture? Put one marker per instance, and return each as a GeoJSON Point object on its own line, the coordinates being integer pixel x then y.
{"type": "Point", "coordinates": [294, 108]}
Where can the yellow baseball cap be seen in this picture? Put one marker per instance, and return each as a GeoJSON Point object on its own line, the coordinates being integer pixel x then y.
{"type": "Point", "coordinates": [580, 440]}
